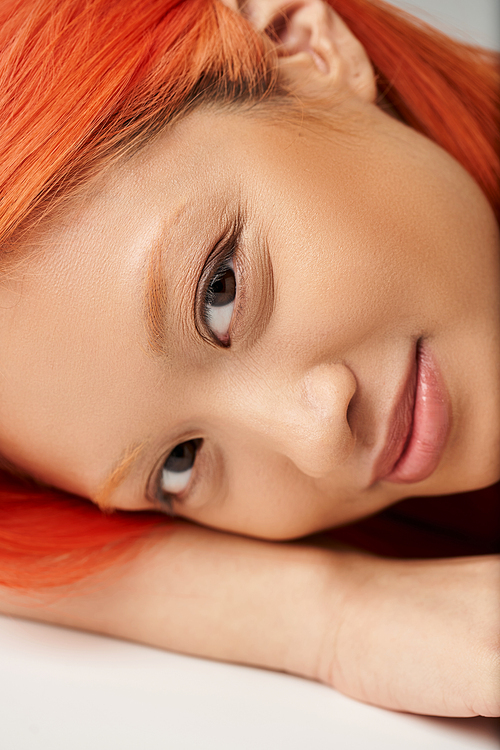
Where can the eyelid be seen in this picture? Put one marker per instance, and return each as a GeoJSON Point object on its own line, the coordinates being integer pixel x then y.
{"type": "Point", "coordinates": [204, 486]}
{"type": "Point", "coordinates": [225, 250]}
{"type": "Point", "coordinates": [154, 492]}
{"type": "Point", "coordinates": [255, 289]}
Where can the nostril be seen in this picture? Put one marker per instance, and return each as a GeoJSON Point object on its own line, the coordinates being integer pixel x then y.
{"type": "Point", "coordinates": [351, 408]}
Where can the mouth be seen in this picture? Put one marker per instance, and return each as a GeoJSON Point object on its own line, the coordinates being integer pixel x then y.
{"type": "Point", "coordinates": [419, 425]}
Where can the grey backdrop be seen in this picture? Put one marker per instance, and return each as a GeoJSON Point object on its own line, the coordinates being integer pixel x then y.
{"type": "Point", "coordinates": [471, 20]}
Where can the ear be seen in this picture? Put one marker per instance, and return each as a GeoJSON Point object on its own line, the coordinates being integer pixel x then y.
{"type": "Point", "coordinates": [314, 43]}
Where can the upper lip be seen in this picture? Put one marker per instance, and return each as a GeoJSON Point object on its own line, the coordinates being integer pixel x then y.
{"type": "Point", "coordinates": [399, 425]}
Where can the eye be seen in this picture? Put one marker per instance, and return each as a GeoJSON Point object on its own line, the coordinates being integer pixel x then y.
{"type": "Point", "coordinates": [218, 299]}
{"type": "Point", "coordinates": [218, 304]}
{"type": "Point", "coordinates": [177, 469]}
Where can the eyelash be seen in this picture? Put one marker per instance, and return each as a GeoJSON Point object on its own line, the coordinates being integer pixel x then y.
{"type": "Point", "coordinates": [166, 499]}
{"type": "Point", "coordinates": [219, 262]}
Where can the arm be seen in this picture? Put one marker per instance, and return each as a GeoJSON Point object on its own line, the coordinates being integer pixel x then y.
{"type": "Point", "coordinates": [415, 636]}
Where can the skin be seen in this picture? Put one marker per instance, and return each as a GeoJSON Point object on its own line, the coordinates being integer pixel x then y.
{"type": "Point", "coordinates": [358, 238]}
{"type": "Point", "coordinates": [371, 217]}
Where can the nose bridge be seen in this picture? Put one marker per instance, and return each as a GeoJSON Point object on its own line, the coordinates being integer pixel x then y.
{"type": "Point", "coordinates": [303, 417]}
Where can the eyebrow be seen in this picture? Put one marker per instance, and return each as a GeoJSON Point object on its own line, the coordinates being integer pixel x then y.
{"type": "Point", "coordinates": [155, 305]}
{"type": "Point", "coordinates": [155, 292]}
{"type": "Point", "coordinates": [118, 473]}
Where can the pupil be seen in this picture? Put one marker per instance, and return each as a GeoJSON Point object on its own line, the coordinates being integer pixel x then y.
{"type": "Point", "coordinates": [223, 288]}
{"type": "Point", "coordinates": [182, 457]}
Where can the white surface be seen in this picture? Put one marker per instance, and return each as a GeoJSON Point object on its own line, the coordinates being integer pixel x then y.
{"type": "Point", "coordinates": [64, 690]}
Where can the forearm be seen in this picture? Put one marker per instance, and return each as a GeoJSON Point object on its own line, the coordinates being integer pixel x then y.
{"type": "Point", "coordinates": [419, 636]}
{"type": "Point", "coordinates": [206, 593]}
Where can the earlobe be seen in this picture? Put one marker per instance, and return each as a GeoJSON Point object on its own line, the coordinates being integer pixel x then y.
{"type": "Point", "coordinates": [314, 28]}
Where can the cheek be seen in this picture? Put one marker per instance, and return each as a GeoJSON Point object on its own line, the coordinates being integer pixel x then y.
{"type": "Point", "coordinates": [357, 267]}
{"type": "Point", "coordinates": [355, 284]}
{"type": "Point", "coordinates": [266, 497]}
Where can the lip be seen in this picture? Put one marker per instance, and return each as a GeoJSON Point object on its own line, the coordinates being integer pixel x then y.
{"type": "Point", "coordinates": [419, 425]}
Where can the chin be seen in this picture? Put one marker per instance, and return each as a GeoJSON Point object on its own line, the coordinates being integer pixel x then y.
{"type": "Point", "coordinates": [486, 478]}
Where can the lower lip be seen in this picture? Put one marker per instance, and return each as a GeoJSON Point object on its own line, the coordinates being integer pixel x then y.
{"type": "Point", "coordinates": [430, 429]}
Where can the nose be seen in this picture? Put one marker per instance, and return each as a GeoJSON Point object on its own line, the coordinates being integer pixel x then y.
{"type": "Point", "coordinates": [305, 419]}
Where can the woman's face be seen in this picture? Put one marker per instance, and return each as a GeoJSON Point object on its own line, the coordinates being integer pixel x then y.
{"type": "Point", "coordinates": [289, 302]}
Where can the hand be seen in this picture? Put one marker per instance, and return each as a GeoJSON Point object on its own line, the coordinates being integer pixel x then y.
{"type": "Point", "coordinates": [419, 636]}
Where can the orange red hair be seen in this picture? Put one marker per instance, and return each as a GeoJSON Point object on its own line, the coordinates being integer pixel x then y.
{"type": "Point", "coordinates": [82, 82]}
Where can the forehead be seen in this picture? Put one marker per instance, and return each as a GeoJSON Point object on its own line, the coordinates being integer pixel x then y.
{"type": "Point", "coordinates": [210, 161]}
